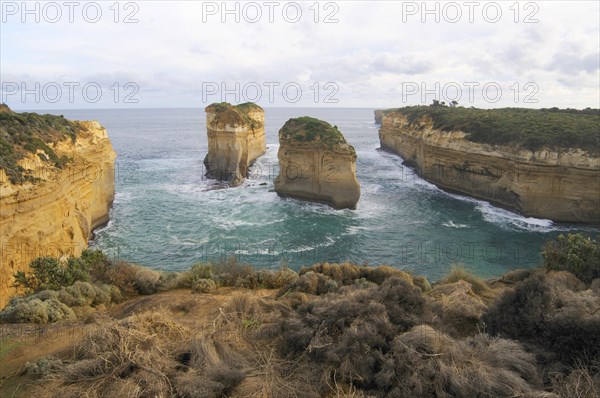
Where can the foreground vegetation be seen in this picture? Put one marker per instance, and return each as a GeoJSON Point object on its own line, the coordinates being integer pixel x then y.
{"type": "Point", "coordinates": [25, 133]}
{"type": "Point", "coordinates": [532, 129]}
{"type": "Point", "coordinates": [327, 330]}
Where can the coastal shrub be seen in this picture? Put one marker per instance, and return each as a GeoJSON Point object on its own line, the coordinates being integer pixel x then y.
{"type": "Point", "coordinates": [350, 332]}
{"type": "Point", "coordinates": [22, 134]}
{"type": "Point", "coordinates": [50, 273]}
{"type": "Point", "coordinates": [578, 382]}
{"type": "Point", "coordinates": [575, 253]}
{"type": "Point", "coordinates": [34, 310]}
{"type": "Point", "coordinates": [532, 129]}
{"type": "Point", "coordinates": [311, 283]}
{"type": "Point", "coordinates": [323, 278]}
{"type": "Point", "coordinates": [43, 366]}
{"type": "Point", "coordinates": [429, 363]}
{"type": "Point", "coordinates": [58, 305]}
{"type": "Point", "coordinates": [543, 310]}
{"type": "Point", "coordinates": [204, 286]}
{"type": "Point", "coordinates": [458, 309]}
{"type": "Point", "coordinates": [458, 273]}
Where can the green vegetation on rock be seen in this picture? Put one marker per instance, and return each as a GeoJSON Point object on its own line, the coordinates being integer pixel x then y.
{"type": "Point", "coordinates": [308, 130]}
{"type": "Point", "coordinates": [578, 254]}
{"type": "Point", "coordinates": [532, 129]}
{"type": "Point", "coordinates": [234, 115]}
{"type": "Point", "coordinates": [25, 133]}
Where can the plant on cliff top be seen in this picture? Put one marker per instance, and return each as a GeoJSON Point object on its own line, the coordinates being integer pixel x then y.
{"type": "Point", "coordinates": [532, 129]}
{"type": "Point", "coordinates": [25, 133]}
{"type": "Point", "coordinates": [310, 130]}
{"type": "Point", "coordinates": [49, 273]}
{"type": "Point", "coordinates": [575, 253]}
{"type": "Point", "coordinates": [233, 115]}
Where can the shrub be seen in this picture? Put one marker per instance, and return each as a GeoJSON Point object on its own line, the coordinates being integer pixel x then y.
{"type": "Point", "coordinates": [543, 310]}
{"type": "Point", "coordinates": [43, 366]}
{"type": "Point", "coordinates": [430, 363]}
{"type": "Point", "coordinates": [204, 286]}
{"type": "Point", "coordinates": [34, 310]}
{"type": "Point", "coordinates": [575, 253]}
{"type": "Point", "coordinates": [49, 273]}
{"type": "Point", "coordinates": [58, 305]}
{"type": "Point", "coordinates": [351, 332]}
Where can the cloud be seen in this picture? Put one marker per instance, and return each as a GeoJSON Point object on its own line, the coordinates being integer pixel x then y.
{"type": "Point", "coordinates": [369, 52]}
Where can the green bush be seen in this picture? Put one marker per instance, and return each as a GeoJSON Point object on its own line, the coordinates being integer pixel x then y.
{"type": "Point", "coordinates": [57, 305]}
{"type": "Point", "coordinates": [204, 286]}
{"type": "Point", "coordinates": [575, 253]}
{"type": "Point", "coordinates": [49, 273]}
{"type": "Point", "coordinates": [34, 310]}
{"type": "Point", "coordinates": [22, 134]}
{"type": "Point", "coordinates": [532, 129]}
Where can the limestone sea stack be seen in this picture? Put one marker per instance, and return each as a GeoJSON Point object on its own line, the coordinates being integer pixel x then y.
{"type": "Point", "coordinates": [378, 116]}
{"type": "Point", "coordinates": [316, 164]}
{"type": "Point", "coordinates": [236, 137]}
{"type": "Point", "coordinates": [57, 184]}
{"type": "Point", "coordinates": [559, 184]}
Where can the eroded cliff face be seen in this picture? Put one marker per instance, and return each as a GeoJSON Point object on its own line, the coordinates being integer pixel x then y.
{"type": "Point", "coordinates": [56, 214]}
{"type": "Point", "coordinates": [561, 186]}
{"type": "Point", "coordinates": [316, 167]}
{"type": "Point", "coordinates": [236, 137]}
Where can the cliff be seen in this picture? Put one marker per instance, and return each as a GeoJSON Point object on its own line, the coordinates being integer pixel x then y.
{"type": "Point", "coordinates": [316, 164]}
{"type": "Point", "coordinates": [558, 184]}
{"type": "Point", "coordinates": [56, 186]}
{"type": "Point", "coordinates": [236, 137]}
{"type": "Point", "coordinates": [378, 116]}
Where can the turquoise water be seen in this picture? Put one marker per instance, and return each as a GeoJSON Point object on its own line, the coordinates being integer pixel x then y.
{"type": "Point", "coordinates": [167, 215]}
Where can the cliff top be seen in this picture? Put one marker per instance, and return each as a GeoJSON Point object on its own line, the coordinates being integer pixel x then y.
{"type": "Point", "coordinates": [24, 133]}
{"type": "Point", "coordinates": [308, 131]}
{"type": "Point", "coordinates": [234, 115]}
{"type": "Point", "coordinates": [532, 129]}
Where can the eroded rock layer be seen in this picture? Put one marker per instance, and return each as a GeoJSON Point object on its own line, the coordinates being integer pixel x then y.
{"type": "Point", "coordinates": [236, 137]}
{"type": "Point", "coordinates": [316, 164]}
{"type": "Point", "coordinates": [558, 185]}
{"type": "Point", "coordinates": [51, 207]}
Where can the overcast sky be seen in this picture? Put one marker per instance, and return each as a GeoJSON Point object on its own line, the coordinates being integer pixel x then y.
{"type": "Point", "coordinates": [369, 54]}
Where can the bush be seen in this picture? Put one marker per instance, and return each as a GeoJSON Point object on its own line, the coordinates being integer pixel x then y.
{"type": "Point", "coordinates": [34, 310]}
{"type": "Point", "coordinates": [543, 310]}
{"type": "Point", "coordinates": [351, 332]}
{"type": "Point", "coordinates": [431, 364]}
{"type": "Point", "coordinates": [575, 253]}
{"type": "Point", "coordinates": [49, 273]}
{"type": "Point", "coordinates": [58, 305]}
{"type": "Point", "coordinates": [325, 278]}
{"type": "Point", "coordinates": [204, 286]}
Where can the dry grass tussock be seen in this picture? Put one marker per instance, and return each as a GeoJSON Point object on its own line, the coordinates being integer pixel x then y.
{"type": "Point", "coordinates": [154, 354]}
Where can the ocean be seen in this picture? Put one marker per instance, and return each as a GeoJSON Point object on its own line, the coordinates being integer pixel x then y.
{"type": "Point", "coordinates": [168, 216]}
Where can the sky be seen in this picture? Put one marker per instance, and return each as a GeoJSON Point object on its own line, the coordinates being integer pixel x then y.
{"type": "Point", "coordinates": [370, 54]}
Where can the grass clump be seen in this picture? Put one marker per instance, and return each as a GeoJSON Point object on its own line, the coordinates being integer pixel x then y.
{"type": "Point", "coordinates": [459, 273]}
{"type": "Point", "coordinates": [532, 129]}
